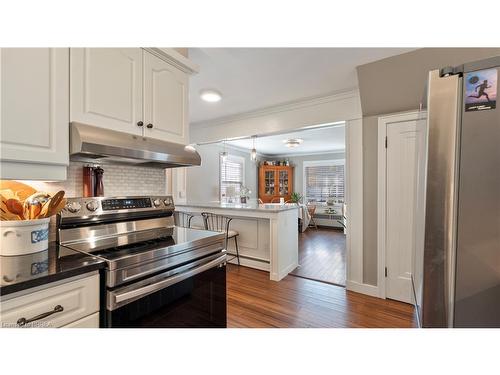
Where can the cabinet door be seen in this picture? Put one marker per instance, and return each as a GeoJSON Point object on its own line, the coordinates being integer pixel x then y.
{"type": "Point", "coordinates": [284, 181]}
{"type": "Point", "coordinates": [66, 303]}
{"type": "Point", "coordinates": [106, 88]}
{"type": "Point", "coordinates": [165, 100]}
{"type": "Point", "coordinates": [267, 184]}
{"type": "Point", "coordinates": [34, 113]}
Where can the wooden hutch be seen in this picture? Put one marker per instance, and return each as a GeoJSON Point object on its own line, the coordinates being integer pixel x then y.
{"type": "Point", "coordinates": [275, 182]}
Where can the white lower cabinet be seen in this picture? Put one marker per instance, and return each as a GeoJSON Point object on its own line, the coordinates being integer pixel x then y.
{"type": "Point", "coordinates": [91, 321]}
{"type": "Point", "coordinates": [73, 303]}
{"type": "Point", "coordinates": [34, 113]}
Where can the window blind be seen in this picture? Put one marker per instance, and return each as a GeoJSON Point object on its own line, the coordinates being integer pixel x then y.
{"type": "Point", "coordinates": [231, 177]}
{"type": "Point", "coordinates": [324, 181]}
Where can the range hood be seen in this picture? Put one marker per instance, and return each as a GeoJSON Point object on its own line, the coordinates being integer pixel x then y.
{"type": "Point", "coordinates": [97, 145]}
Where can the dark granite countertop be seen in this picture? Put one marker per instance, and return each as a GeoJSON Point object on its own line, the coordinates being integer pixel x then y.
{"type": "Point", "coordinates": [57, 263]}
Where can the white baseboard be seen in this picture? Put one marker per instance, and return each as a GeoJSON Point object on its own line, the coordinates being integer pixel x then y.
{"type": "Point", "coordinates": [263, 266]}
{"type": "Point", "coordinates": [368, 289]}
{"type": "Point", "coordinates": [287, 270]}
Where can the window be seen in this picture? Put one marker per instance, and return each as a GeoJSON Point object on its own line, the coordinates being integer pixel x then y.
{"type": "Point", "coordinates": [324, 179]}
{"type": "Point", "coordinates": [232, 173]}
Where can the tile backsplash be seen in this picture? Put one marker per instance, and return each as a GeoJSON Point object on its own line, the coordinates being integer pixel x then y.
{"type": "Point", "coordinates": [118, 180]}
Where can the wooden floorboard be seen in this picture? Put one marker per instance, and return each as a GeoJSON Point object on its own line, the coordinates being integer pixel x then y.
{"type": "Point", "coordinates": [255, 301]}
{"type": "Point", "coordinates": [322, 255]}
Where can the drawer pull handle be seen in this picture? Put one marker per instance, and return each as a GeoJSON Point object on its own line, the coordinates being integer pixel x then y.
{"type": "Point", "coordinates": [23, 321]}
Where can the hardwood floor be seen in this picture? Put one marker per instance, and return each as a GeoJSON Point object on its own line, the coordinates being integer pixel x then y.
{"type": "Point", "coordinates": [255, 301]}
{"type": "Point", "coordinates": [322, 255]}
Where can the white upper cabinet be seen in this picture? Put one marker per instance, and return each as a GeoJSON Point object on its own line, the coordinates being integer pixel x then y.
{"type": "Point", "coordinates": [106, 88]}
{"type": "Point", "coordinates": [165, 100]}
{"type": "Point", "coordinates": [34, 113]}
{"type": "Point", "coordinates": [134, 90]}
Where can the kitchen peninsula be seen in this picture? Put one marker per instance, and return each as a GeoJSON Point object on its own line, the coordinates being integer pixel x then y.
{"type": "Point", "coordinates": [268, 235]}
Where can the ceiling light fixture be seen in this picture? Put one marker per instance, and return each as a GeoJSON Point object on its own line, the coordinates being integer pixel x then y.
{"type": "Point", "coordinates": [211, 96]}
{"type": "Point", "coordinates": [293, 142]}
{"type": "Point", "coordinates": [253, 153]}
{"type": "Point", "coordinates": [223, 154]}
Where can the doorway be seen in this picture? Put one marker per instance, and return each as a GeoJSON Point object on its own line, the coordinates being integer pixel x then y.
{"type": "Point", "coordinates": [401, 196]}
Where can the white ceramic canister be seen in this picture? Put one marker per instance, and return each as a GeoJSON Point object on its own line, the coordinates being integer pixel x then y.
{"type": "Point", "coordinates": [24, 236]}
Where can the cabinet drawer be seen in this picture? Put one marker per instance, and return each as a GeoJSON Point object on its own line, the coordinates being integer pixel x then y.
{"type": "Point", "coordinates": [78, 299]}
{"type": "Point", "coordinates": [91, 321]}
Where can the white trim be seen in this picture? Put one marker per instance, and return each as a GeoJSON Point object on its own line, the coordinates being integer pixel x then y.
{"type": "Point", "coordinates": [383, 122]}
{"type": "Point", "coordinates": [354, 203]}
{"type": "Point", "coordinates": [368, 289]}
{"type": "Point", "coordinates": [300, 154]}
{"type": "Point", "coordinates": [174, 58]}
{"type": "Point", "coordinates": [288, 106]}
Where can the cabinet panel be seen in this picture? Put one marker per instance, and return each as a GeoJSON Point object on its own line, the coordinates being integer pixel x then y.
{"type": "Point", "coordinates": [91, 321]}
{"type": "Point", "coordinates": [106, 87]}
{"type": "Point", "coordinates": [78, 299]}
{"type": "Point", "coordinates": [34, 112]}
{"type": "Point", "coordinates": [165, 100]}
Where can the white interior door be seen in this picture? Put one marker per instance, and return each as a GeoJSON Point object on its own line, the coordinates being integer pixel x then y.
{"type": "Point", "coordinates": [405, 182]}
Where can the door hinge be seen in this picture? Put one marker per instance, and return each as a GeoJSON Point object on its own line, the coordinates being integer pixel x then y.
{"type": "Point", "coordinates": [385, 271]}
{"type": "Point", "coordinates": [385, 141]}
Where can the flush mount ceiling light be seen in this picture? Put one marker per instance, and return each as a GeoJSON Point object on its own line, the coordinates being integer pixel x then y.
{"type": "Point", "coordinates": [211, 96]}
{"type": "Point", "coordinates": [293, 142]}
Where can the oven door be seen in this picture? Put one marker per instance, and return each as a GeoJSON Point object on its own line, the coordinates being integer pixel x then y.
{"type": "Point", "coordinates": [193, 295]}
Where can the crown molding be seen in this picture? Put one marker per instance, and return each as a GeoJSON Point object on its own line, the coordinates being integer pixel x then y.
{"type": "Point", "coordinates": [300, 154]}
{"type": "Point", "coordinates": [174, 58]}
{"type": "Point", "coordinates": [242, 149]}
{"type": "Point", "coordinates": [288, 106]}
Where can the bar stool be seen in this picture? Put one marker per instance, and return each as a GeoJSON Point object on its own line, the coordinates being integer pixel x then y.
{"type": "Point", "coordinates": [220, 223]}
{"type": "Point", "coordinates": [182, 219]}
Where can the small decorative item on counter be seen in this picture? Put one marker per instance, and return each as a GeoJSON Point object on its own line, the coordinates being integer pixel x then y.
{"type": "Point", "coordinates": [244, 194]}
{"type": "Point", "coordinates": [296, 198]}
{"type": "Point", "coordinates": [99, 183]}
{"type": "Point", "coordinates": [25, 214]}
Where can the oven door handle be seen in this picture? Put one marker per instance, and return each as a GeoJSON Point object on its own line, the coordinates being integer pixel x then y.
{"type": "Point", "coordinates": [120, 298]}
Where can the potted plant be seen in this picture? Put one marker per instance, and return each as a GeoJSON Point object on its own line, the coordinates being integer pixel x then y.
{"type": "Point", "coordinates": [296, 198]}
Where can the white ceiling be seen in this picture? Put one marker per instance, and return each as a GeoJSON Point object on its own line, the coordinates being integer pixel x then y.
{"type": "Point", "coordinates": [255, 78]}
{"type": "Point", "coordinates": [315, 141]}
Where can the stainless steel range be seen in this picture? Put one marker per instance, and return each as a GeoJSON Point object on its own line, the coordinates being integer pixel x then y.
{"type": "Point", "coordinates": [157, 274]}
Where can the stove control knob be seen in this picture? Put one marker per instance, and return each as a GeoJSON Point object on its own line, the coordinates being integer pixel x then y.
{"type": "Point", "coordinates": [73, 207]}
{"type": "Point", "coordinates": [92, 205]}
{"type": "Point", "coordinates": [157, 202]}
{"type": "Point", "coordinates": [167, 201]}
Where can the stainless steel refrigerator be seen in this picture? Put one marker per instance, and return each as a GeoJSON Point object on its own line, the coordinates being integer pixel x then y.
{"type": "Point", "coordinates": [461, 258]}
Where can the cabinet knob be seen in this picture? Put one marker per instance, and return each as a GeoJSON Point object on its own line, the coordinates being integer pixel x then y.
{"type": "Point", "coordinates": [140, 123]}
{"type": "Point", "coordinates": [149, 126]}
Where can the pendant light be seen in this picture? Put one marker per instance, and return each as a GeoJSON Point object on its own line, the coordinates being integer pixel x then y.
{"type": "Point", "coordinates": [253, 153]}
{"type": "Point", "coordinates": [223, 154]}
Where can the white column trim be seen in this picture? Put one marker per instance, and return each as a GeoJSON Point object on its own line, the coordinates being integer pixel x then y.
{"type": "Point", "coordinates": [354, 201]}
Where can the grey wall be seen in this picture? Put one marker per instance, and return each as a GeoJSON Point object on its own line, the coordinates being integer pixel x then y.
{"type": "Point", "coordinates": [203, 182]}
{"type": "Point", "coordinates": [395, 84]}
{"type": "Point", "coordinates": [298, 163]}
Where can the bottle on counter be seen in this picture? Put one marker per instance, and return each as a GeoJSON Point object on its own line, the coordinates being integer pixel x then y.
{"type": "Point", "coordinates": [88, 181]}
{"type": "Point", "coordinates": [99, 183]}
